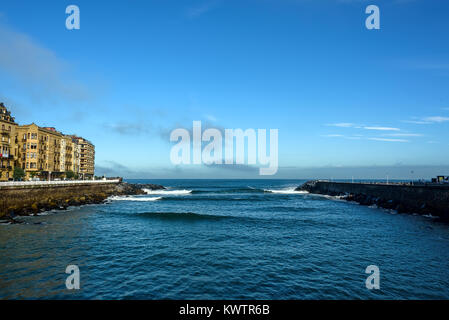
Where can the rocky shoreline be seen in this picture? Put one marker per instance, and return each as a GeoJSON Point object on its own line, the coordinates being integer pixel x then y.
{"type": "Point", "coordinates": [422, 200]}
{"type": "Point", "coordinates": [120, 189]}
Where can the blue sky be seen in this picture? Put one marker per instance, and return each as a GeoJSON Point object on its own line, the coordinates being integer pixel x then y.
{"type": "Point", "coordinates": [347, 101]}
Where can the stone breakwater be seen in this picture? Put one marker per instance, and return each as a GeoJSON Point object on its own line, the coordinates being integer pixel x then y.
{"type": "Point", "coordinates": [29, 199]}
{"type": "Point", "coordinates": [420, 199]}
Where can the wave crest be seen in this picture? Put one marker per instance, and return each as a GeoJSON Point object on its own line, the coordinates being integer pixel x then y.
{"type": "Point", "coordinates": [133, 198]}
{"type": "Point", "coordinates": [286, 191]}
{"type": "Point", "coordinates": [167, 192]}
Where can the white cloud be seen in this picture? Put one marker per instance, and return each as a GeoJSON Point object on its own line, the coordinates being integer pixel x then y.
{"type": "Point", "coordinates": [416, 122]}
{"type": "Point", "coordinates": [342, 125]}
{"type": "Point", "coordinates": [36, 68]}
{"type": "Point", "coordinates": [382, 128]}
{"type": "Point", "coordinates": [388, 140]}
{"type": "Point", "coordinates": [333, 135]}
{"type": "Point", "coordinates": [352, 125]}
{"type": "Point", "coordinates": [436, 119]}
{"type": "Point", "coordinates": [403, 135]}
{"type": "Point", "coordinates": [428, 120]}
{"type": "Point", "coordinates": [354, 137]}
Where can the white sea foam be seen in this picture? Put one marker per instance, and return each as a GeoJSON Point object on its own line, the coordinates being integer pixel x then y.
{"type": "Point", "coordinates": [337, 198]}
{"type": "Point", "coordinates": [133, 198]}
{"type": "Point", "coordinates": [46, 213]}
{"type": "Point", "coordinates": [167, 192]}
{"type": "Point", "coordinates": [286, 191]}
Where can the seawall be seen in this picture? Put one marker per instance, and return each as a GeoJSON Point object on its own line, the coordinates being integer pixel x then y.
{"type": "Point", "coordinates": [32, 197]}
{"type": "Point", "coordinates": [421, 199]}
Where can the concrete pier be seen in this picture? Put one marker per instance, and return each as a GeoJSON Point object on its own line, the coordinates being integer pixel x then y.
{"type": "Point", "coordinates": [18, 198]}
{"type": "Point", "coordinates": [405, 198]}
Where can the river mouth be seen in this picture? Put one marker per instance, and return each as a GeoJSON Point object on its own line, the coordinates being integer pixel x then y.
{"type": "Point", "coordinates": [224, 240]}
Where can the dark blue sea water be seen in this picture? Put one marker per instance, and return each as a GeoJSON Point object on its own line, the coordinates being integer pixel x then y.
{"type": "Point", "coordinates": [225, 239]}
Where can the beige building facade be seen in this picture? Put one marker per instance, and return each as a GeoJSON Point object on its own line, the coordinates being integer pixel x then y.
{"type": "Point", "coordinates": [86, 157]}
{"type": "Point", "coordinates": [8, 149]}
{"type": "Point", "coordinates": [42, 152]}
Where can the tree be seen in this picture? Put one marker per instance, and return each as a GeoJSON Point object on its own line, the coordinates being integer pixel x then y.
{"type": "Point", "coordinates": [18, 174]}
{"type": "Point", "coordinates": [33, 174]}
{"type": "Point", "coordinates": [70, 174]}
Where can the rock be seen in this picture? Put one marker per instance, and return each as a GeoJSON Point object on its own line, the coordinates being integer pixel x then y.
{"type": "Point", "coordinates": [45, 201]}
{"type": "Point", "coordinates": [10, 219]}
{"type": "Point", "coordinates": [403, 198]}
{"type": "Point", "coordinates": [125, 188]}
{"type": "Point", "coordinates": [35, 208]}
{"type": "Point", "coordinates": [149, 186]}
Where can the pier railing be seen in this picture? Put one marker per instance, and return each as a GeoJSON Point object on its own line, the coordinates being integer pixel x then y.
{"type": "Point", "coordinates": [388, 183]}
{"type": "Point", "coordinates": [55, 183]}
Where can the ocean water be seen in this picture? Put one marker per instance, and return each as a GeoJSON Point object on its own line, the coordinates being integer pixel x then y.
{"type": "Point", "coordinates": [225, 239]}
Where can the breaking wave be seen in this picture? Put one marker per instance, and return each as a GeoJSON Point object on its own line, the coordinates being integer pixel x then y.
{"type": "Point", "coordinates": [133, 198]}
{"type": "Point", "coordinates": [167, 192]}
{"type": "Point", "coordinates": [286, 191]}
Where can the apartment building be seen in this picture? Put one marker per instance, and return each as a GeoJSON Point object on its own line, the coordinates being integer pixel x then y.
{"type": "Point", "coordinates": [86, 157]}
{"type": "Point", "coordinates": [39, 151]}
{"type": "Point", "coordinates": [8, 151]}
{"type": "Point", "coordinates": [42, 152]}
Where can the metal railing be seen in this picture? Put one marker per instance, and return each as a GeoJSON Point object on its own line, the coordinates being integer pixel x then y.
{"type": "Point", "coordinates": [52, 183]}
